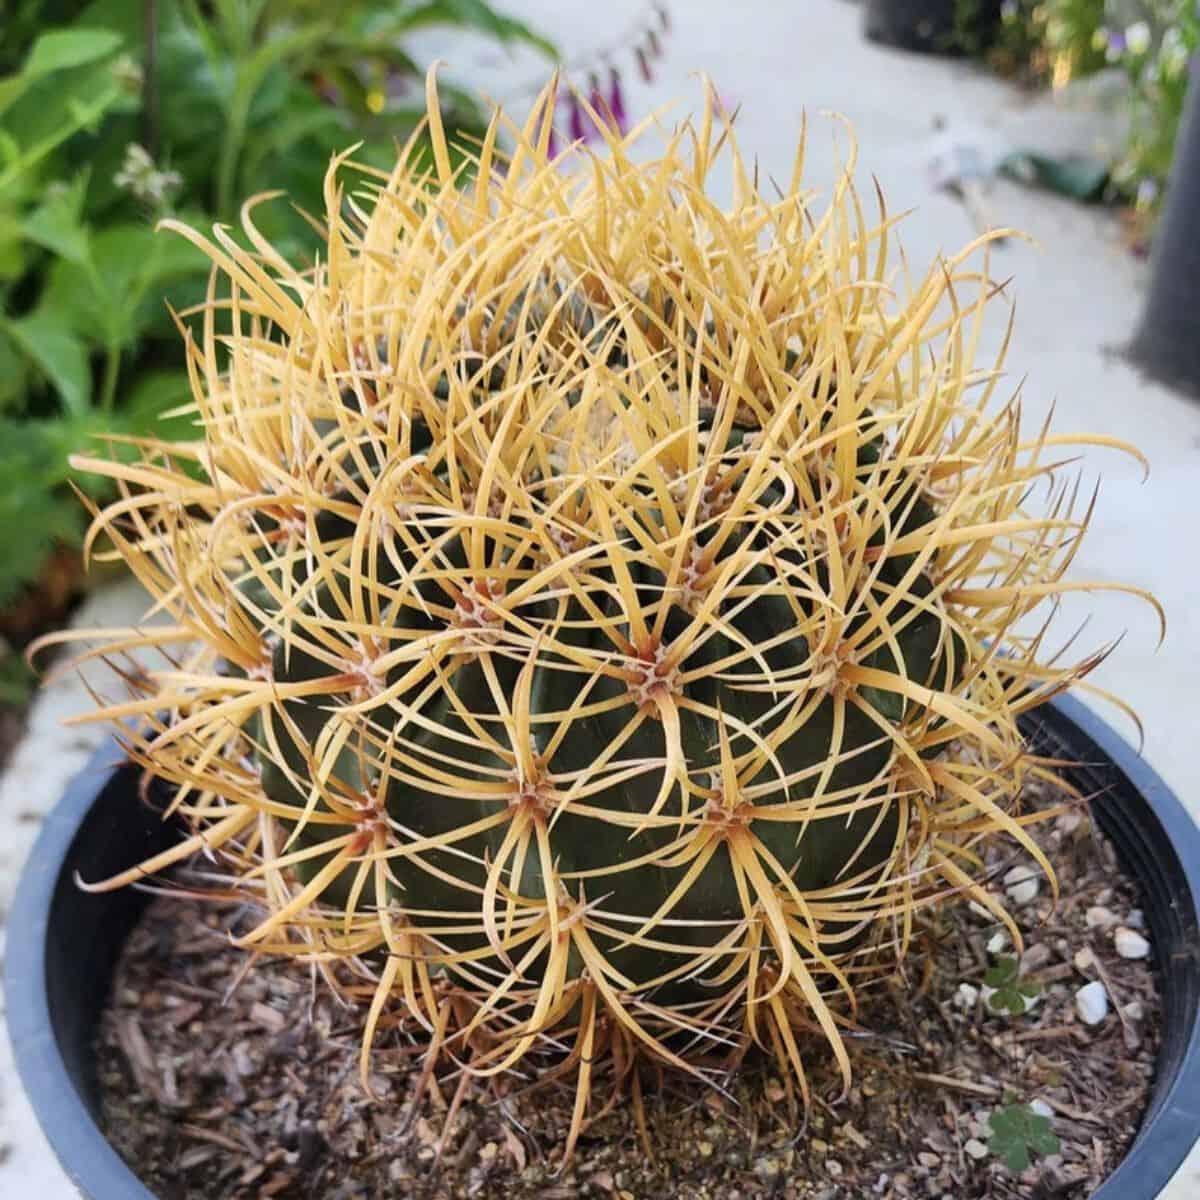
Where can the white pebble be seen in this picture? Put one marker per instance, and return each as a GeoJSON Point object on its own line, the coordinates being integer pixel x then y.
{"type": "Point", "coordinates": [1134, 1010]}
{"type": "Point", "coordinates": [1084, 959]}
{"type": "Point", "coordinates": [1022, 885]}
{"type": "Point", "coordinates": [997, 942]}
{"type": "Point", "coordinates": [1130, 944]}
{"type": "Point", "coordinates": [1091, 1003]}
{"type": "Point", "coordinates": [1041, 1108]}
{"type": "Point", "coordinates": [1099, 917]}
{"type": "Point", "coordinates": [975, 1148]}
{"type": "Point", "coordinates": [966, 996]}
{"type": "Point", "coordinates": [1136, 919]}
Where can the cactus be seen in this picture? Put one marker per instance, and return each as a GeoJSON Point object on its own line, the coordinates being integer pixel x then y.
{"type": "Point", "coordinates": [598, 614]}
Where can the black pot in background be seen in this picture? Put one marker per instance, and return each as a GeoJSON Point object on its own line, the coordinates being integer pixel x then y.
{"type": "Point", "coordinates": [1167, 343]}
{"type": "Point", "coordinates": [63, 943]}
{"type": "Point", "coordinates": [932, 26]}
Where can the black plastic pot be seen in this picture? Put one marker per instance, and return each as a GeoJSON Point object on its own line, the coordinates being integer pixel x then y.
{"type": "Point", "coordinates": [1167, 343]}
{"type": "Point", "coordinates": [932, 26]}
{"type": "Point", "coordinates": [62, 945]}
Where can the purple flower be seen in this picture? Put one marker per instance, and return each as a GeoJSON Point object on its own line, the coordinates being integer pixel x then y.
{"type": "Point", "coordinates": [616, 102]}
{"type": "Point", "coordinates": [577, 127]}
{"type": "Point", "coordinates": [596, 96]}
{"type": "Point", "coordinates": [398, 84]}
{"type": "Point", "coordinates": [643, 60]}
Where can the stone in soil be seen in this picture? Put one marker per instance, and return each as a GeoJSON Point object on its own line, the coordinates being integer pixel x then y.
{"type": "Point", "coordinates": [1091, 1003]}
{"type": "Point", "coordinates": [1130, 944]}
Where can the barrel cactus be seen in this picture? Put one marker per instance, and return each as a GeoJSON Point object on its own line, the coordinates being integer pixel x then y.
{"type": "Point", "coordinates": [598, 614]}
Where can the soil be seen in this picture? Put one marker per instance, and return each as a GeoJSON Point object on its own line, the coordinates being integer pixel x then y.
{"type": "Point", "coordinates": [223, 1081]}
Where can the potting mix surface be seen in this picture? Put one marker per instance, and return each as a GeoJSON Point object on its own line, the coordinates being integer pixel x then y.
{"type": "Point", "coordinates": [227, 1077]}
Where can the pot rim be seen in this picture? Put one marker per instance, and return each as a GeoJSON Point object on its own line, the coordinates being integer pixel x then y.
{"type": "Point", "coordinates": [1170, 1128]}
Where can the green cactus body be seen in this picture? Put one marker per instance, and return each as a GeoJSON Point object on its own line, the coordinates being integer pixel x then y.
{"type": "Point", "coordinates": [814, 849]}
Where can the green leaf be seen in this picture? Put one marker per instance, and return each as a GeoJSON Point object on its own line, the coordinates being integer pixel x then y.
{"type": "Point", "coordinates": [61, 49]}
{"type": "Point", "coordinates": [118, 293]}
{"type": "Point", "coordinates": [477, 15]}
{"type": "Point", "coordinates": [304, 118]}
{"type": "Point", "coordinates": [1012, 994]}
{"type": "Point", "coordinates": [70, 293]}
{"type": "Point", "coordinates": [11, 89]}
{"type": "Point", "coordinates": [59, 354]}
{"type": "Point", "coordinates": [135, 256]}
{"type": "Point", "coordinates": [36, 512]}
{"type": "Point", "coordinates": [51, 113]}
{"type": "Point", "coordinates": [10, 149]}
{"type": "Point", "coordinates": [1015, 1131]}
{"type": "Point", "coordinates": [13, 373]}
{"type": "Point", "coordinates": [153, 395]}
{"type": "Point", "coordinates": [57, 50]}
{"type": "Point", "coordinates": [124, 18]}
{"type": "Point", "coordinates": [279, 50]}
{"type": "Point", "coordinates": [1003, 973]}
{"type": "Point", "coordinates": [57, 223]}
{"type": "Point", "coordinates": [139, 263]}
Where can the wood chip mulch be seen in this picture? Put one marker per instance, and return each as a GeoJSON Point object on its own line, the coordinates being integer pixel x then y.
{"type": "Point", "coordinates": [221, 1081]}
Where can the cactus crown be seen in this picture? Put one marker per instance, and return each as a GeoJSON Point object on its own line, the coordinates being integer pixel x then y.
{"type": "Point", "coordinates": [595, 610]}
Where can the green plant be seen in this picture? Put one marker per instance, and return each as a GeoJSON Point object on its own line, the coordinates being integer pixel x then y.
{"type": "Point", "coordinates": [1073, 49]}
{"type": "Point", "coordinates": [588, 601]}
{"type": "Point", "coordinates": [1050, 41]}
{"type": "Point", "coordinates": [65, 88]}
{"type": "Point", "coordinates": [1152, 41]}
{"type": "Point", "coordinates": [1010, 994]}
{"type": "Point", "coordinates": [973, 27]}
{"type": "Point", "coordinates": [1016, 48]}
{"type": "Point", "coordinates": [15, 679]}
{"type": "Point", "coordinates": [1017, 1132]}
{"type": "Point", "coordinates": [1155, 51]}
{"type": "Point", "coordinates": [134, 111]}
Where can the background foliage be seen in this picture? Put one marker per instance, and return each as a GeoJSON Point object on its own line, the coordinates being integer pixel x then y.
{"type": "Point", "coordinates": [116, 113]}
{"type": "Point", "coordinates": [1153, 42]}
